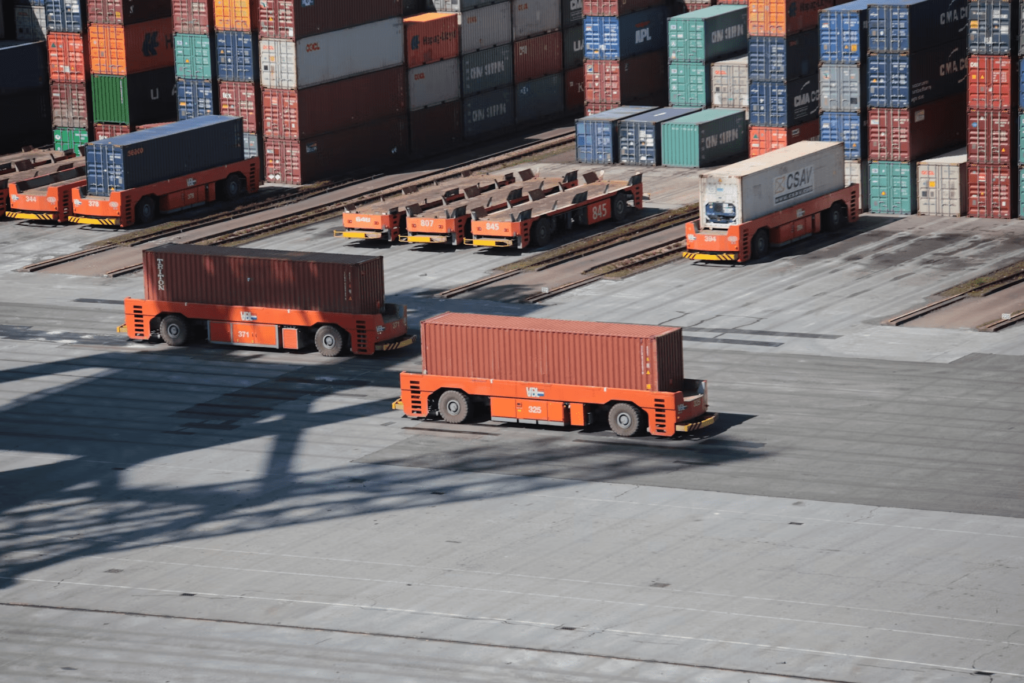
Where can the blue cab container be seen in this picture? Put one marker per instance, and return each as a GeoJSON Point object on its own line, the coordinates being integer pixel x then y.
{"type": "Point", "coordinates": [842, 33]}
{"type": "Point", "coordinates": [901, 81]}
{"type": "Point", "coordinates": [783, 59]}
{"type": "Point", "coordinates": [64, 16]}
{"type": "Point", "coordinates": [612, 38]}
{"type": "Point", "coordinates": [907, 26]}
{"type": "Point", "coordinates": [782, 105]}
{"type": "Point", "coordinates": [236, 59]}
{"type": "Point", "coordinates": [597, 135]}
{"type": "Point", "coordinates": [195, 99]}
{"type": "Point", "coordinates": [640, 136]}
{"type": "Point", "coordinates": [846, 128]}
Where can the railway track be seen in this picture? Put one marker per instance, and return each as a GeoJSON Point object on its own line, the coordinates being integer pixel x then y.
{"type": "Point", "coordinates": [987, 288]}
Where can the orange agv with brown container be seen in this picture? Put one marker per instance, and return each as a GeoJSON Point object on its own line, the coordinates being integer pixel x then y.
{"type": "Point", "coordinates": [555, 372]}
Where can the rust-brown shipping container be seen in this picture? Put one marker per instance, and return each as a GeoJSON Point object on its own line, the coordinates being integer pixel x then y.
{"type": "Point", "coordinates": [125, 50]}
{"type": "Point", "coordinates": [913, 134]}
{"type": "Point", "coordinates": [431, 37]}
{"type": "Point", "coordinates": [991, 191]}
{"type": "Point", "coordinates": [592, 354]}
{"type": "Point", "coordinates": [125, 12]}
{"type": "Point", "coordinates": [618, 82]}
{"type": "Point", "coordinates": [435, 129]}
{"type": "Point", "coordinates": [102, 131]}
{"type": "Point", "coordinates": [193, 16]}
{"type": "Point", "coordinates": [70, 105]}
{"type": "Point", "coordinates": [68, 60]}
{"type": "Point", "coordinates": [575, 90]}
{"type": "Point", "coordinates": [294, 162]}
{"type": "Point", "coordinates": [266, 278]}
{"type": "Point", "coordinates": [991, 135]}
{"type": "Point", "coordinates": [617, 8]}
{"type": "Point", "coordinates": [338, 105]}
{"type": "Point", "coordinates": [239, 99]}
{"type": "Point", "coordinates": [297, 19]}
{"type": "Point", "coordinates": [537, 57]}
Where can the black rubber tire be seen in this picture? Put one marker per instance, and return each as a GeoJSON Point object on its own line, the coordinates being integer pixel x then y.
{"type": "Point", "coordinates": [759, 244]}
{"type": "Point", "coordinates": [232, 187]}
{"type": "Point", "coordinates": [620, 206]}
{"type": "Point", "coordinates": [542, 232]}
{"type": "Point", "coordinates": [834, 217]}
{"type": "Point", "coordinates": [625, 419]}
{"type": "Point", "coordinates": [331, 341]}
{"type": "Point", "coordinates": [174, 330]}
{"type": "Point", "coordinates": [453, 407]}
{"type": "Point", "coordinates": [145, 211]}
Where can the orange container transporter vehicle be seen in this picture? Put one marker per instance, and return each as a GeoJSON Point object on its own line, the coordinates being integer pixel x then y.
{"type": "Point", "coordinates": [555, 372]}
{"type": "Point", "coordinates": [45, 197]}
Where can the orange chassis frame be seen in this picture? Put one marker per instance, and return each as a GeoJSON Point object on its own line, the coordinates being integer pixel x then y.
{"type": "Point", "coordinates": [53, 206]}
{"type": "Point", "coordinates": [732, 244]}
{"type": "Point", "coordinates": [562, 405]}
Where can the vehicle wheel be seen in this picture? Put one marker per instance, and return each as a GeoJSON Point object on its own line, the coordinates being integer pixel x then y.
{"type": "Point", "coordinates": [453, 407]}
{"type": "Point", "coordinates": [579, 219]}
{"type": "Point", "coordinates": [174, 330]}
{"type": "Point", "coordinates": [625, 419]}
{"type": "Point", "coordinates": [619, 206]}
{"type": "Point", "coordinates": [145, 210]}
{"type": "Point", "coordinates": [759, 244]}
{"type": "Point", "coordinates": [542, 232]}
{"type": "Point", "coordinates": [330, 341]}
{"type": "Point", "coordinates": [232, 187]}
{"type": "Point", "coordinates": [834, 218]}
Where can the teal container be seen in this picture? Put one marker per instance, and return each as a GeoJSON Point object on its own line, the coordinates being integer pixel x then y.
{"type": "Point", "coordinates": [193, 57]}
{"type": "Point", "coordinates": [708, 34]}
{"type": "Point", "coordinates": [689, 83]}
{"type": "Point", "coordinates": [70, 139]}
{"type": "Point", "coordinates": [893, 188]}
{"type": "Point", "coordinates": [706, 138]}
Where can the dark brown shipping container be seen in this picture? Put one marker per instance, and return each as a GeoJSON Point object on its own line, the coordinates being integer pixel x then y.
{"type": "Point", "coordinates": [339, 105]}
{"type": "Point", "coordinates": [70, 102]}
{"type": "Point", "coordinates": [617, 8]}
{"type": "Point", "coordinates": [990, 137]}
{"type": "Point", "coordinates": [575, 90]}
{"type": "Point", "coordinates": [435, 129]}
{"type": "Point", "coordinates": [296, 19]}
{"type": "Point", "coordinates": [915, 133]}
{"type": "Point", "coordinates": [537, 57]}
{"type": "Point", "coordinates": [372, 146]}
{"type": "Point", "coordinates": [592, 354]}
{"type": "Point", "coordinates": [232, 276]}
{"type": "Point", "coordinates": [239, 99]}
{"type": "Point", "coordinates": [102, 131]}
{"type": "Point", "coordinates": [193, 16]}
{"type": "Point", "coordinates": [126, 12]}
{"type": "Point", "coordinates": [991, 191]}
{"type": "Point", "coordinates": [629, 80]}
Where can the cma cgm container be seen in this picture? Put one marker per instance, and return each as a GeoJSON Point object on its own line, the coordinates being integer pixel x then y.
{"type": "Point", "coordinates": [780, 18]}
{"type": "Point", "coordinates": [847, 128]}
{"type": "Point", "coordinates": [898, 81]}
{"type": "Point", "coordinates": [596, 135]}
{"type": "Point", "coordinates": [487, 70]}
{"type": "Point", "coordinates": [783, 59]}
{"type": "Point", "coordinates": [730, 83]}
{"type": "Point", "coordinates": [992, 27]}
{"type": "Point", "coordinates": [236, 57]}
{"type": "Point", "coordinates": [488, 113]}
{"type": "Point", "coordinates": [24, 67]}
{"type": "Point", "coordinates": [239, 99]}
{"type": "Point", "coordinates": [614, 38]}
{"type": "Point", "coordinates": [908, 26]}
{"type": "Point", "coordinates": [134, 100]}
{"type": "Point", "coordinates": [193, 57]}
{"type": "Point", "coordinates": [306, 113]}
{"type": "Point", "coordinates": [842, 87]}
{"type": "Point", "coordinates": [485, 27]}
{"type": "Point", "coordinates": [127, 12]}
{"type": "Point", "coordinates": [992, 82]}
{"type": "Point", "coordinates": [535, 18]}
{"type": "Point", "coordinates": [539, 99]}
{"type": "Point", "coordinates": [639, 137]}
{"type": "Point", "coordinates": [942, 185]}
{"type": "Point", "coordinates": [991, 136]}
{"type": "Point", "coordinates": [298, 19]}
{"type": "Point", "coordinates": [436, 129]}
{"type": "Point", "coordinates": [29, 22]}
{"type": "Point", "coordinates": [65, 16]}
{"type": "Point", "coordinates": [892, 187]}
{"type": "Point", "coordinates": [765, 139]}
{"type": "Point", "coordinates": [643, 77]}
{"type": "Point", "coordinates": [992, 191]}
{"type": "Point", "coordinates": [689, 84]}
{"type": "Point", "coordinates": [70, 105]}
{"type": "Point", "coordinates": [842, 32]}
{"type": "Point", "coordinates": [195, 99]}
{"type": "Point", "coordinates": [783, 104]}
{"type": "Point", "coordinates": [156, 154]}
{"type": "Point", "coordinates": [573, 53]}
{"type": "Point", "coordinates": [430, 38]}
{"type": "Point", "coordinates": [912, 134]}
{"type": "Point", "coordinates": [292, 65]}
{"type": "Point", "coordinates": [195, 17]}
{"type": "Point", "coordinates": [69, 61]}
{"type": "Point", "coordinates": [125, 50]}
{"type": "Point", "coordinates": [433, 84]}
{"type": "Point", "coordinates": [536, 57]}
{"type": "Point", "coordinates": [708, 34]}
{"type": "Point", "coordinates": [707, 138]}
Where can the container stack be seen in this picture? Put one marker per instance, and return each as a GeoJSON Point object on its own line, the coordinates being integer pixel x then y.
{"type": "Point", "coordinates": [334, 87]}
{"type": "Point", "coordinates": [942, 184]}
{"type": "Point", "coordinates": [917, 76]}
{"type": "Point", "coordinates": [231, 27]}
{"type": "Point", "coordinates": [69, 72]}
{"type": "Point", "coordinates": [626, 60]}
{"type": "Point", "coordinates": [194, 65]}
{"type": "Point", "coordinates": [25, 92]}
{"type": "Point", "coordinates": [572, 57]}
{"type": "Point", "coordinates": [783, 73]}
{"type": "Point", "coordinates": [695, 41]}
{"type": "Point", "coordinates": [434, 82]}
{"type": "Point", "coordinates": [705, 138]}
{"type": "Point", "coordinates": [30, 20]}
{"type": "Point", "coordinates": [538, 68]}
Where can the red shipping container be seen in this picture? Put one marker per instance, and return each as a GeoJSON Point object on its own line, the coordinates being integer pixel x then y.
{"type": "Point", "coordinates": [125, 12]}
{"type": "Point", "coordinates": [694, 5]}
{"type": "Point", "coordinates": [764, 139]}
{"type": "Point", "coordinates": [575, 90]}
{"type": "Point", "coordinates": [914, 134]}
{"type": "Point", "coordinates": [431, 37]}
{"type": "Point", "coordinates": [239, 99]}
{"type": "Point", "coordinates": [435, 129]}
{"type": "Point", "coordinates": [339, 105]}
{"type": "Point", "coordinates": [617, 8]}
{"type": "Point", "coordinates": [731, 2]}
{"type": "Point", "coordinates": [990, 137]}
{"type": "Point", "coordinates": [295, 19]}
{"type": "Point", "coordinates": [991, 82]}
{"type": "Point", "coordinates": [372, 146]}
{"type": "Point", "coordinates": [68, 60]}
{"type": "Point", "coordinates": [594, 354]}
{"type": "Point", "coordinates": [624, 82]}
{"type": "Point", "coordinates": [102, 131]}
{"type": "Point", "coordinates": [70, 104]}
{"type": "Point", "coordinates": [782, 18]}
{"type": "Point", "coordinates": [536, 57]}
{"type": "Point", "coordinates": [124, 50]}
{"type": "Point", "coordinates": [991, 191]}
{"type": "Point", "coordinates": [193, 16]}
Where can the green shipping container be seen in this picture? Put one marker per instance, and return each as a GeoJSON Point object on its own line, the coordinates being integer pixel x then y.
{"type": "Point", "coordinates": [705, 138]}
{"type": "Point", "coordinates": [70, 139]}
{"type": "Point", "coordinates": [893, 188]}
{"type": "Point", "coordinates": [689, 84]}
{"type": "Point", "coordinates": [193, 57]}
{"type": "Point", "coordinates": [708, 34]}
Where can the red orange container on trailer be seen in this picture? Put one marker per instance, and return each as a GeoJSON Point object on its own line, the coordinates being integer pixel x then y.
{"type": "Point", "coordinates": [123, 50]}
{"type": "Point", "coordinates": [430, 38]}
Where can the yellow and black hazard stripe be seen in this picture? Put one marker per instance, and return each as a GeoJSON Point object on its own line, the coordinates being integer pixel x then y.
{"type": "Point", "coordinates": [395, 344]}
{"type": "Point", "coordinates": [706, 421]}
{"type": "Point", "coordinates": [710, 255]}
{"type": "Point", "coordinates": [88, 220]}
{"type": "Point", "coordinates": [30, 216]}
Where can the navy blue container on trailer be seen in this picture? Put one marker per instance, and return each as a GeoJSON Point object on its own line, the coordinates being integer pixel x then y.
{"type": "Point", "coordinates": [195, 98]}
{"type": "Point", "coordinates": [992, 27]}
{"type": "Point", "coordinates": [64, 16]}
{"type": "Point", "coordinates": [235, 57]}
{"type": "Point", "coordinates": [639, 137]}
{"type": "Point", "coordinates": [622, 37]}
{"type": "Point", "coordinates": [906, 26]}
{"type": "Point", "coordinates": [849, 129]}
{"type": "Point", "coordinates": [782, 105]}
{"type": "Point", "coordinates": [596, 135]}
{"type": "Point", "coordinates": [783, 59]}
{"type": "Point", "coordinates": [903, 81]}
{"type": "Point", "coordinates": [842, 33]}
{"type": "Point", "coordinates": [24, 66]}
{"type": "Point", "coordinates": [155, 154]}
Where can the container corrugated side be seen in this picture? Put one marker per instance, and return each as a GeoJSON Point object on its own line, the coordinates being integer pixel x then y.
{"type": "Point", "coordinates": [575, 91]}
{"type": "Point", "coordinates": [435, 83]}
{"type": "Point", "coordinates": [287, 65]}
{"type": "Point", "coordinates": [236, 57]}
{"type": "Point", "coordinates": [24, 67]}
{"type": "Point", "coordinates": [70, 105]}
{"type": "Point", "coordinates": [265, 278]}
{"type": "Point", "coordinates": [105, 131]}
{"type": "Point", "coordinates": [912, 134]}
{"type": "Point", "coordinates": [764, 139]}
{"type": "Point", "coordinates": [992, 191]}
{"type": "Point", "coordinates": [910, 26]}
{"type": "Point", "coordinates": [783, 18]}
{"type": "Point", "coordinates": [597, 135]}
{"type": "Point", "coordinates": [29, 22]}
{"type": "Point", "coordinates": [783, 59]}
{"type": "Point", "coordinates": [614, 38]}
{"type": "Point", "coordinates": [572, 47]}
{"type": "Point", "coordinates": [638, 357]}
{"type": "Point", "coordinates": [485, 27]}
{"type": "Point", "coordinates": [126, 11]}
{"type": "Point", "coordinates": [614, 8]}
{"type": "Point", "coordinates": [241, 100]}
{"type": "Point", "coordinates": [730, 84]}
{"type": "Point", "coordinates": [540, 99]}
{"type": "Point", "coordinates": [134, 100]}
{"type": "Point", "coordinates": [643, 77]}
{"type": "Point", "coordinates": [898, 81]}
{"type": "Point", "coordinates": [991, 136]}
{"type": "Point", "coordinates": [857, 174]}
{"type": "Point", "coordinates": [842, 32]}
{"type": "Point", "coordinates": [535, 18]}
{"type": "Point", "coordinates": [488, 113]}
{"type": "Point", "coordinates": [436, 129]}
{"type": "Point", "coordinates": [783, 104]}
{"type": "Point", "coordinates": [708, 34]}
{"type": "Point", "coordinates": [70, 139]}
{"type": "Point", "coordinates": [195, 99]}
{"type": "Point", "coordinates": [193, 57]}
{"type": "Point", "coordinates": [892, 187]}
{"type": "Point", "coordinates": [707, 138]}
{"type": "Point", "coordinates": [192, 16]}
{"type": "Point", "coordinates": [992, 82]}
{"type": "Point", "coordinates": [430, 38]}
{"type": "Point", "coordinates": [65, 16]}
{"type": "Point", "coordinates": [841, 88]}
{"type": "Point", "coordinates": [689, 84]}
{"type": "Point", "coordinates": [538, 56]}
{"type": "Point", "coordinates": [235, 15]}
{"type": "Point", "coordinates": [942, 185]}
{"type": "Point", "coordinates": [125, 50]}
{"type": "Point", "coordinates": [847, 128]}
{"type": "Point", "coordinates": [487, 70]}
{"type": "Point", "coordinates": [991, 27]}
{"type": "Point", "coordinates": [68, 55]}
{"type": "Point", "coordinates": [639, 137]}
{"type": "Point", "coordinates": [297, 19]}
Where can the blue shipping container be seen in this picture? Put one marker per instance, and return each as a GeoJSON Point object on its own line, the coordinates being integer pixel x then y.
{"type": "Point", "coordinates": [782, 105]}
{"type": "Point", "coordinates": [25, 66]}
{"type": "Point", "coordinates": [634, 34]}
{"type": "Point", "coordinates": [904, 81]}
{"type": "Point", "coordinates": [64, 16]}
{"type": "Point", "coordinates": [640, 136]}
{"type": "Point", "coordinates": [783, 59]}
{"type": "Point", "coordinates": [596, 135]}
{"type": "Point", "coordinates": [848, 129]}
{"type": "Point", "coordinates": [906, 26]}
{"type": "Point", "coordinates": [195, 99]}
{"type": "Point", "coordinates": [842, 32]}
{"type": "Point", "coordinates": [236, 60]}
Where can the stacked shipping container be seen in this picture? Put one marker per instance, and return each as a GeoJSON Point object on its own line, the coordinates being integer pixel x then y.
{"type": "Point", "coordinates": [695, 40]}
{"type": "Point", "coordinates": [25, 115]}
{"type": "Point", "coordinates": [434, 82]}
{"type": "Point", "coordinates": [730, 84]}
{"type": "Point", "coordinates": [537, 63]}
{"type": "Point", "coordinates": [67, 52]}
